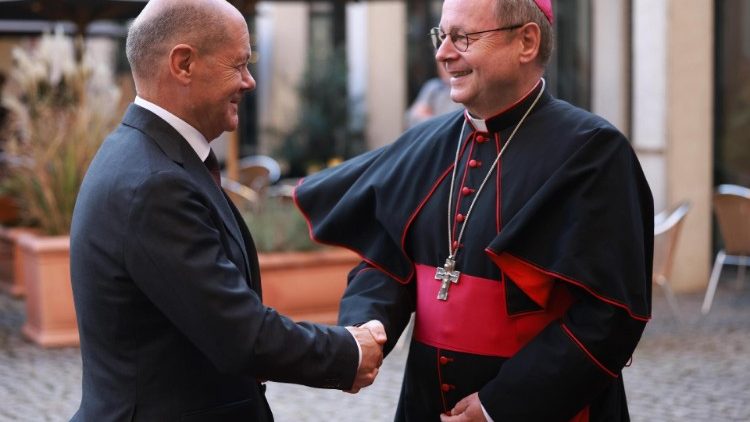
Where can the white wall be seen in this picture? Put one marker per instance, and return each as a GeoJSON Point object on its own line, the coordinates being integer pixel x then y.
{"type": "Point", "coordinates": [611, 62]}
{"type": "Point", "coordinates": [282, 43]}
{"type": "Point", "coordinates": [376, 47]}
{"type": "Point", "coordinates": [689, 118]}
{"type": "Point", "coordinates": [650, 93]}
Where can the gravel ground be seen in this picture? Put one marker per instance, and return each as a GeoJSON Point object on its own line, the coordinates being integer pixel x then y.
{"type": "Point", "coordinates": [695, 369]}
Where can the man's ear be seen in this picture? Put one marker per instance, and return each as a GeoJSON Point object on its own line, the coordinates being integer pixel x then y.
{"type": "Point", "coordinates": [182, 63]}
{"type": "Point", "coordinates": [531, 38]}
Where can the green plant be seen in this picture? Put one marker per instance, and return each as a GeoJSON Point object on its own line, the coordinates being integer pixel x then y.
{"type": "Point", "coordinates": [66, 108]}
{"type": "Point", "coordinates": [278, 226]}
{"type": "Point", "coordinates": [329, 127]}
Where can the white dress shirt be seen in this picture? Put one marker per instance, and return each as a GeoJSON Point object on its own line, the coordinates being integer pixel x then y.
{"type": "Point", "coordinates": [196, 139]}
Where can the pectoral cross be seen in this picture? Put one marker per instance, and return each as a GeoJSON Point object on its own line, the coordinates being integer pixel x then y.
{"type": "Point", "coordinates": [446, 275]}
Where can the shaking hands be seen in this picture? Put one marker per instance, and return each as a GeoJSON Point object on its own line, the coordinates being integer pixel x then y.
{"type": "Point", "coordinates": [371, 338]}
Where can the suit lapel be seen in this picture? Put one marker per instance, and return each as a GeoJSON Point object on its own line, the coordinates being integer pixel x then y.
{"type": "Point", "coordinates": [179, 151]}
{"type": "Point", "coordinates": [252, 253]}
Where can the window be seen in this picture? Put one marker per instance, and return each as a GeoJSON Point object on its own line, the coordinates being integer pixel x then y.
{"type": "Point", "coordinates": [569, 70]}
{"type": "Point", "coordinates": [732, 110]}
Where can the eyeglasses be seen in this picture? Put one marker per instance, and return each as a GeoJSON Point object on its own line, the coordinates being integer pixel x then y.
{"type": "Point", "coordinates": [461, 41]}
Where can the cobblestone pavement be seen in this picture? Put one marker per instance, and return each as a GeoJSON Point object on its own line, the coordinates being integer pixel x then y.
{"type": "Point", "coordinates": [697, 369]}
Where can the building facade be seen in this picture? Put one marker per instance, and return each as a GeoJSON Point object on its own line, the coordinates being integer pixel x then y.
{"type": "Point", "coordinates": [671, 74]}
{"type": "Point", "coordinates": [648, 66]}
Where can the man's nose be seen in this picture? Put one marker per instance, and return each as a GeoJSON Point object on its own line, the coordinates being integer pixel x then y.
{"type": "Point", "coordinates": [446, 51]}
{"type": "Point", "coordinates": [248, 82]}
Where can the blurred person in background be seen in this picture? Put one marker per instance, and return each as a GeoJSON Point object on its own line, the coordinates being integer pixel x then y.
{"type": "Point", "coordinates": [434, 99]}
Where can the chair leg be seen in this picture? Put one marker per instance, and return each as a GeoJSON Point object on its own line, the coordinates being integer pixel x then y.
{"type": "Point", "coordinates": [741, 272]}
{"type": "Point", "coordinates": [671, 299]}
{"type": "Point", "coordinates": [711, 290]}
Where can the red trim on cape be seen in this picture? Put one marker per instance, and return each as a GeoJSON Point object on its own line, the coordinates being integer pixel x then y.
{"type": "Point", "coordinates": [582, 416]}
{"type": "Point", "coordinates": [586, 351]}
{"type": "Point", "coordinates": [427, 197]}
{"type": "Point", "coordinates": [575, 282]}
{"type": "Point", "coordinates": [537, 285]}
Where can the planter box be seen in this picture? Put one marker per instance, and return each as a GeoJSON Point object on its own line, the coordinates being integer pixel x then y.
{"type": "Point", "coordinates": [306, 286]}
{"type": "Point", "coordinates": [50, 314]}
{"type": "Point", "coordinates": [11, 280]}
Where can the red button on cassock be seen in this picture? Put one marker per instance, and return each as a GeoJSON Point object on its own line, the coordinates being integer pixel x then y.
{"type": "Point", "coordinates": [473, 163]}
{"type": "Point", "coordinates": [444, 360]}
{"type": "Point", "coordinates": [460, 218]}
{"type": "Point", "coordinates": [455, 244]}
{"type": "Point", "coordinates": [446, 387]}
{"type": "Point", "coordinates": [481, 138]}
{"type": "Point", "coordinates": [467, 191]}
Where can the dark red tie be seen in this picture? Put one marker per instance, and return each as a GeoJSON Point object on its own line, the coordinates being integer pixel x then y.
{"type": "Point", "coordinates": [212, 164]}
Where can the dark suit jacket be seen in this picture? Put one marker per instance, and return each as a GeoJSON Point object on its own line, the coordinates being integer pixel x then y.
{"type": "Point", "coordinates": [167, 293]}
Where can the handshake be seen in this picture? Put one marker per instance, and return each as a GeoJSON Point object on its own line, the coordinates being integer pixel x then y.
{"type": "Point", "coordinates": [371, 338]}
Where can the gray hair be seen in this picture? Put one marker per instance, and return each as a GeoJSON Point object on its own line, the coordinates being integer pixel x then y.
{"type": "Point", "coordinates": [152, 35]}
{"type": "Point", "coordinates": [512, 12]}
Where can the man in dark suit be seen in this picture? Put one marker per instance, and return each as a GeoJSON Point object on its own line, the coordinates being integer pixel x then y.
{"type": "Point", "coordinates": [165, 274]}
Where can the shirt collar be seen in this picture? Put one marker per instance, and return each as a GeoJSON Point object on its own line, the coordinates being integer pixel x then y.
{"type": "Point", "coordinates": [196, 139]}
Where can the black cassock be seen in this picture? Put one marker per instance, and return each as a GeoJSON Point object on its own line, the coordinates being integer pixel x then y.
{"type": "Point", "coordinates": [555, 262]}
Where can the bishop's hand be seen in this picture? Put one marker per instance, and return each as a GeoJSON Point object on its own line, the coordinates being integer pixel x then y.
{"type": "Point", "coordinates": [469, 409]}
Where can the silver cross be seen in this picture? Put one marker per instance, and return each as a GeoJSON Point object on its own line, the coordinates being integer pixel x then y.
{"type": "Point", "coordinates": [446, 275]}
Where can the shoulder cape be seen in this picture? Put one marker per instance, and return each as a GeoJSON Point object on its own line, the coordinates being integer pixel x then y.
{"type": "Point", "coordinates": [575, 204]}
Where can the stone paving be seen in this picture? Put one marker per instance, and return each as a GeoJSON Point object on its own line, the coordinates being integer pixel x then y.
{"type": "Point", "coordinates": [697, 369]}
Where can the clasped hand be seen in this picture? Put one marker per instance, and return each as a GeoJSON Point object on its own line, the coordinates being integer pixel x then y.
{"type": "Point", "coordinates": [469, 409]}
{"type": "Point", "coordinates": [371, 338]}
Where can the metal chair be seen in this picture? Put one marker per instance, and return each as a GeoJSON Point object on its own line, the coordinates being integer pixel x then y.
{"type": "Point", "coordinates": [258, 172]}
{"type": "Point", "coordinates": [244, 198]}
{"type": "Point", "coordinates": [667, 227]}
{"type": "Point", "coordinates": [732, 208]}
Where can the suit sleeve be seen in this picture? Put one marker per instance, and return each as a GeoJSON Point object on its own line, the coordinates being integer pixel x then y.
{"type": "Point", "coordinates": [566, 366]}
{"type": "Point", "coordinates": [372, 294]}
{"type": "Point", "coordinates": [175, 255]}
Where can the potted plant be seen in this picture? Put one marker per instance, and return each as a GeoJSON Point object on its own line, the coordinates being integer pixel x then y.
{"type": "Point", "coordinates": [301, 279]}
{"type": "Point", "coordinates": [67, 108]}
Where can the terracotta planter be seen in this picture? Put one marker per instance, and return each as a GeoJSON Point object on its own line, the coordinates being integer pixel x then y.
{"type": "Point", "coordinates": [306, 286]}
{"type": "Point", "coordinates": [50, 314]}
{"type": "Point", "coordinates": [11, 280]}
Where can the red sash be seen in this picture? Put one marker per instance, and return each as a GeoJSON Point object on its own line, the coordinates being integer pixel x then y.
{"type": "Point", "coordinates": [474, 319]}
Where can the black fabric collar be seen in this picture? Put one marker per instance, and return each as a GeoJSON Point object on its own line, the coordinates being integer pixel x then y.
{"type": "Point", "coordinates": [513, 114]}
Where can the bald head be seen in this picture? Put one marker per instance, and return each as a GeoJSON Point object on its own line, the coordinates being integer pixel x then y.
{"type": "Point", "coordinates": [165, 23]}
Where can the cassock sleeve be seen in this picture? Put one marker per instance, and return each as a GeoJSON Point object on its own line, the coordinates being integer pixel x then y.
{"type": "Point", "coordinates": [372, 294]}
{"type": "Point", "coordinates": [566, 366]}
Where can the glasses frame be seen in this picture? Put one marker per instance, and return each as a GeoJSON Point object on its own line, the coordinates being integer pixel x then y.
{"type": "Point", "coordinates": [438, 36]}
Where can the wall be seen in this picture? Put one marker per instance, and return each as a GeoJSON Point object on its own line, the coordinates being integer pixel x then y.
{"type": "Point", "coordinates": [689, 121]}
{"type": "Point", "coordinates": [282, 42]}
{"type": "Point", "coordinates": [376, 47]}
{"type": "Point", "coordinates": [673, 120]}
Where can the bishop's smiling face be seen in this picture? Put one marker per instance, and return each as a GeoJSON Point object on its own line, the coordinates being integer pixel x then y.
{"type": "Point", "coordinates": [484, 75]}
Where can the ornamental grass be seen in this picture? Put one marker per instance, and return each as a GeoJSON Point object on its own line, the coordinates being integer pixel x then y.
{"type": "Point", "coordinates": [66, 108]}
